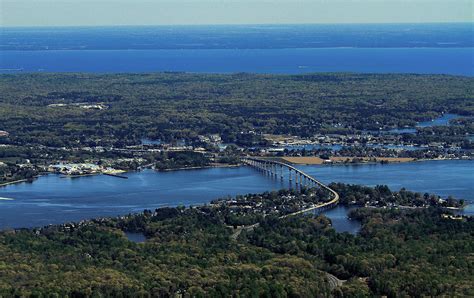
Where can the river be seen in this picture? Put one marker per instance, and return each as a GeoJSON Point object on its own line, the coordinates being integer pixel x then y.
{"type": "Point", "coordinates": [51, 199]}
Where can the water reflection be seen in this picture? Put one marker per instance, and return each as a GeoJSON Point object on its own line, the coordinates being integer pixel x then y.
{"type": "Point", "coordinates": [135, 237]}
{"type": "Point", "coordinates": [340, 220]}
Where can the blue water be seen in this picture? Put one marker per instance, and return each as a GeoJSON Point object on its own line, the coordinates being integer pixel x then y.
{"type": "Point", "coordinates": [339, 147]}
{"type": "Point", "coordinates": [402, 130]}
{"type": "Point", "coordinates": [313, 147]}
{"type": "Point", "coordinates": [444, 178]}
{"type": "Point", "coordinates": [150, 142]}
{"type": "Point", "coordinates": [340, 221]}
{"type": "Point", "coordinates": [440, 121]}
{"type": "Point", "coordinates": [135, 237]}
{"type": "Point", "coordinates": [455, 61]}
{"type": "Point", "coordinates": [396, 147]}
{"type": "Point", "coordinates": [290, 49]}
{"type": "Point", "coordinates": [443, 120]}
{"type": "Point", "coordinates": [456, 35]}
{"type": "Point", "coordinates": [424, 49]}
{"type": "Point", "coordinates": [51, 199]}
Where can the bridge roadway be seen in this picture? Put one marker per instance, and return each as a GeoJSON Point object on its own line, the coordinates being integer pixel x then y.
{"type": "Point", "coordinates": [270, 166]}
{"type": "Point", "coordinates": [301, 178]}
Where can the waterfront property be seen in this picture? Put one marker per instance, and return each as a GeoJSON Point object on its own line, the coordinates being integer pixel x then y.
{"type": "Point", "coordinates": [82, 169]}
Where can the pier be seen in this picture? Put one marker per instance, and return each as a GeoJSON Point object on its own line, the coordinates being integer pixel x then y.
{"type": "Point", "coordinates": [115, 175]}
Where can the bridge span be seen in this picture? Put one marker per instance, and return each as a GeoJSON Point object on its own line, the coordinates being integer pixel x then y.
{"type": "Point", "coordinates": [302, 179]}
{"type": "Point", "coordinates": [276, 169]}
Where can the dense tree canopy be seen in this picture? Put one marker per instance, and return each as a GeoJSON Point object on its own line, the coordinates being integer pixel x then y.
{"type": "Point", "coordinates": [51, 109]}
{"type": "Point", "coordinates": [191, 251]}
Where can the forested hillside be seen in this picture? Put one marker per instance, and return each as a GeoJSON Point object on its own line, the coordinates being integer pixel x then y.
{"type": "Point", "coordinates": [119, 109]}
{"type": "Point", "coordinates": [192, 252]}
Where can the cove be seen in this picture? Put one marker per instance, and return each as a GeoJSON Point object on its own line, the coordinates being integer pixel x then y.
{"type": "Point", "coordinates": [54, 200]}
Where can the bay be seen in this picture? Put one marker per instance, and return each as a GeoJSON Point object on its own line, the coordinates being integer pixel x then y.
{"type": "Point", "coordinates": [454, 61]}
{"type": "Point", "coordinates": [52, 200]}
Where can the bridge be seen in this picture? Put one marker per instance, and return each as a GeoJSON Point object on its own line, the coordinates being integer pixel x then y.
{"type": "Point", "coordinates": [278, 169]}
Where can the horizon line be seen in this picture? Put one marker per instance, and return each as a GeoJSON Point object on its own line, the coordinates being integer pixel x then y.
{"type": "Point", "coordinates": [236, 24]}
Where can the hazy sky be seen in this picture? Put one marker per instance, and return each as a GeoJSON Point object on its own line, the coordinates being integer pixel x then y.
{"type": "Point", "coordinates": [163, 12]}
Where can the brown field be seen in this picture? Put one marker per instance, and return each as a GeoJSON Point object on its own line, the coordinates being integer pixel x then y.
{"type": "Point", "coordinates": [276, 138]}
{"type": "Point", "coordinates": [313, 160]}
{"type": "Point", "coordinates": [307, 160]}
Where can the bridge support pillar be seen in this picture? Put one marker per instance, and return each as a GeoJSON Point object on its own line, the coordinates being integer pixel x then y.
{"type": "Point", "coordinates": [302, 180]}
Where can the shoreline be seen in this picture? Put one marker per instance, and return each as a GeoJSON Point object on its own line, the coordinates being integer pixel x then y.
{"type": "Point", "coordinates": [200, 167]}
{"type": "Point", "coordinates": [62, 176]}
{"type": "Point", "coordinates": [239, 229]}
{"type": "Point", "coordinates": [236, 166]}
{"type": "Point", "coordinates": [21, 181]}
{"type": "Point", "coordinates": [14, 182]}
{"type": "Point", "coordinates": [381, 161]}
{"type": "Point", "coordinates": [78, 176]}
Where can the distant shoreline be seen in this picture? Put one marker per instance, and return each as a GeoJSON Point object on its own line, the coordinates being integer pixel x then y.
{"type": "Point", "coordinates": [314, 160]}
{"type": "Point", "coordinates": [200, 167]}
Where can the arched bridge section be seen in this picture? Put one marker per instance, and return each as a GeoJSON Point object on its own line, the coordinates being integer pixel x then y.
{"type": "Point", "coordinates": [277, 169]}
